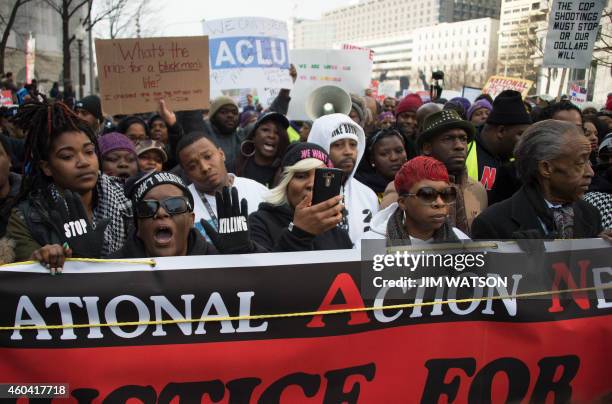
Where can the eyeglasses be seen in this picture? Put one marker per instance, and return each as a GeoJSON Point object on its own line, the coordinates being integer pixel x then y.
{"type": "Point", "coordinates": [175, 205]}
{"type": "Point", "coordinates": [429, 195]}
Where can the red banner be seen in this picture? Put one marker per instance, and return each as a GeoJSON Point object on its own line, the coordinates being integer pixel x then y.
{"type": "Point", "coordinates": [392, 365]}
{"type": "Point", "coordinates": [547, 349]}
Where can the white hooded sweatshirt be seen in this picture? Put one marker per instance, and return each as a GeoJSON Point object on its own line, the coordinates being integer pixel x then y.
{"type": "Point", "coordinates": [360, 201]}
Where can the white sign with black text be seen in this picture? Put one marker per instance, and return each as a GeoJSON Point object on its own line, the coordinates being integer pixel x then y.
{"type": "Point", "coordinates": [572, 31]}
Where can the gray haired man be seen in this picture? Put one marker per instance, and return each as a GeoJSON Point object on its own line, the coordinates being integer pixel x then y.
{"type": "Point", "coordinates": [553, 163]}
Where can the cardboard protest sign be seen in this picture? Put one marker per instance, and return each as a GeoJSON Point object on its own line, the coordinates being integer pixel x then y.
{"type": "Point", "coordinates": [135, 73]}
{"type": "Point", "coordinates": [572, 31]}
{"type": "Point", "coordinates": [578, 94]}
{"type": "Point", "coordinates": [261, 327]}
{"type": "Point", "coordinates": [248, 52]}
{"type": "Point", "coordinates": [497, 84]}
{"type": "Point", "coordinates": [348, 69]}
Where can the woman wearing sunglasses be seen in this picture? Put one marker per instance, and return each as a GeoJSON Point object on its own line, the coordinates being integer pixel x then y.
{"type": "Point", "coordinates": [163, 213]}
{"type": "Point", "coordinates": [421, 212]}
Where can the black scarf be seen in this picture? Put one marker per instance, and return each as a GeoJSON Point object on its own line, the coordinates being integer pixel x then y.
{"type": "Point", "coordinates": [537, 202]}
{"type": "Point", "coordinates": [397, 235]}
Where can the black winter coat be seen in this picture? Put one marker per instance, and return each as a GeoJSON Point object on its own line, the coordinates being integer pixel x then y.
{"type": "Point", "coordinates": [502, 220]}
{"type": "Point", "coordinates": [269, 229]}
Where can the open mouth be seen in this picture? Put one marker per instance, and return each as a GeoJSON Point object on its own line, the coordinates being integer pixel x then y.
{"type": "Point", "coordinates": [269, 147]}
{"type": "Point", "coordinates": [162, 235]}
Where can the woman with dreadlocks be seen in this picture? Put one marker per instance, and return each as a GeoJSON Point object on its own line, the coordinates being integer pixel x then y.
{"type": "Point", "coordinates": [67, 207]}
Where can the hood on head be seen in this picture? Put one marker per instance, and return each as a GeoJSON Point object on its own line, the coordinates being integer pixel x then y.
{"type": "Point", "coordinates": [323, 127]}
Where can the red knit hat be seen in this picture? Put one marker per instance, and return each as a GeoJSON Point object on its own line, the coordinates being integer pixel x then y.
{"type": "Point", "coordinates": [411, 103]}
{"type": "Point", "coordinates": [609, 103]}
{"type": "Point", "coordinates": [418, 169]}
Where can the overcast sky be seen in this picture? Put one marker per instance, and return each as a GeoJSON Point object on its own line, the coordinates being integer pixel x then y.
{"type": "Point", "coordinates": [183, 17]}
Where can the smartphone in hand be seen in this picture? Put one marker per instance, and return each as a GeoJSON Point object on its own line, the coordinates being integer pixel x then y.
{"type": "Point", "coordinates": [327, 184]}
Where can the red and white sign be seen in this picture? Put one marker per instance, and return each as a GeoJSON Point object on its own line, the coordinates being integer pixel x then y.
{"type": "Point", "coordinates": [347, 46]}
{"type": "Point", "coordinates": [578, 95]}
{"type": "Point", "coordinates": [6, 98]}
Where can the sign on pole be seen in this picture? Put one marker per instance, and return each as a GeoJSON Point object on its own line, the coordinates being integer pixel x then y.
{"type": "Point", "coordinates": [135, 73]}
{"type": "Point", "coordinates": [497, 84]}
{"type": "Point", "coordinates": [572, 31]}
{"type": "Point", "coordinates": [248, 53]}
{"type": "Point", "coordinates": [30, 58]}
{"type": "Point", "coordinates": [347, 69]}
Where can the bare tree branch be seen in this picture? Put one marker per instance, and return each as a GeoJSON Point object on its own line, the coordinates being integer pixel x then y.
{"type": "Point", "coordinates": [120, 18]}
{"type": "Point", "coordinates": [7, 29]}
{"type": "Point", "coordinates": [53, 5]}
{"type": "Point", "coordinates": [74, 10]}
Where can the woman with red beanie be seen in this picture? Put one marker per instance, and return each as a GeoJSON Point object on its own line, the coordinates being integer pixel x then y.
{"type": "Point", "coordinates": [421, 212]}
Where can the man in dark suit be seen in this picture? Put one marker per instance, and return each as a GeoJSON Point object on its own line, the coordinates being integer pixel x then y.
{"type": "Point", "coordinates": [553, 163]}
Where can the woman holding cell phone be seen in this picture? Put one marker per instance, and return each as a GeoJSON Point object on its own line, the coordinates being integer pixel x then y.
{"type": "Point", "coordinates": [290, 220]}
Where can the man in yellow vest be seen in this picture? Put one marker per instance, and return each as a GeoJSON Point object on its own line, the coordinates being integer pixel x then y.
{"type": "Point", "coordinates": [445, 137]}
{"type": "Point", "coordinates": [494, 145]}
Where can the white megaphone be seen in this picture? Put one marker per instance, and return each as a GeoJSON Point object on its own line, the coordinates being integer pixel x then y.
{"type": "Point", "coordinates": [328, 100]}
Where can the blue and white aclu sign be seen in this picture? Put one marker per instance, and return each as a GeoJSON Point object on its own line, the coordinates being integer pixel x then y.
{"type": "Point", "coordinates": [248, 52]}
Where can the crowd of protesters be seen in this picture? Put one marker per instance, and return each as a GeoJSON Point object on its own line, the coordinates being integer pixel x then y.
{"type": "Point", "coordinates": [239, 180]}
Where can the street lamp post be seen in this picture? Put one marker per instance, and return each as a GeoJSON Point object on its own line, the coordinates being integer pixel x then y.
{"type": "Point", "coordinates": [80, 35]}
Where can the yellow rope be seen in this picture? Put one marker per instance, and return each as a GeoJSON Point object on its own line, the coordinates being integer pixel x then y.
{"type": "Point", "coordinates": [303, 314]}
{"type": "Point", "coordinates": [92, 260]}
{"type": "Point", "coordinates": [471, 245]}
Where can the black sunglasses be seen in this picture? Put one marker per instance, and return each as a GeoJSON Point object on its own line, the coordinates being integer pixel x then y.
{"type": "Point", "coordinates": [429, 195]}
{"type": "Point", "coordinates": [175, 205]}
